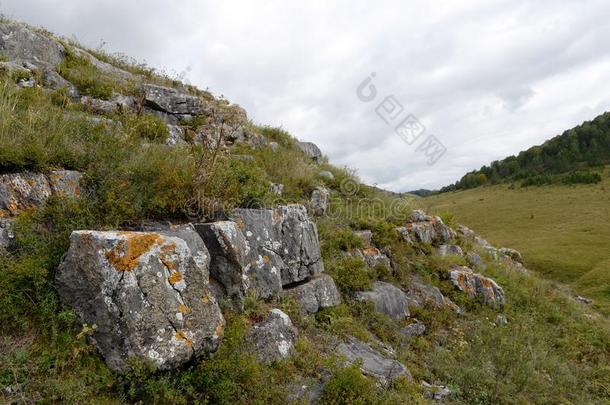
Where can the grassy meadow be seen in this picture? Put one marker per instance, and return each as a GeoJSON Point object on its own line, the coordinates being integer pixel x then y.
{"type": "Point", "coordinates": [562, 231]}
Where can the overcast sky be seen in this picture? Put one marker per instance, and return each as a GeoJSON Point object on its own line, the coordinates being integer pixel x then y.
{"type": "Point", "coordinates": [486, 78]}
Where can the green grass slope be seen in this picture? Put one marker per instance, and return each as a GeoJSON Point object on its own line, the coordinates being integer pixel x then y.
{"type": "Point", "coordinates": [562, 231]}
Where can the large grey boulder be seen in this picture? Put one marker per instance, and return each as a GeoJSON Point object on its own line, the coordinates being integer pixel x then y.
{"type": "Point", "coordinates": [317, 293]}
{"type": "Point", "coordinates": [147, 293]}
{"type": "Point", "coordinates": [284, 240]}
{"type": "Point", "coordinates": [235, 265]}
{"type": "Point", "coordinates": [22, 44]}
{"type": "Point", "coordinates": [172, 101]}
{"type": "Point", "coordinates": [420, 295]}
{"type": "Point", "coordinates": [320, 201]}
{"type": "Point", "coordinates": [476, 285]}
{"type": "Point", "coordinates": [310, 150]}
{"type": "Point", "coordinates": [388, 299]}
{"type": "Point", "coordinates": [273, 339]}
{"type": "Point", "coordinates": [385, 370]}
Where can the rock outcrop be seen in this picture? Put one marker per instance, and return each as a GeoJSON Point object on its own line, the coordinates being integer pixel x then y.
{"type": "Point", "coordinates": [476, 285]}
{"type": "Point", "coordinates": [385, 370]}
{"type": "Point", "coordinates": [420, 295]}
{"type": "Point", "coordinates": [284, 240]}
{"type": "Point", "coordinates": [427, 229]}
{"type": "Point", "coordinates": [235, 265]}
{"type": "Point", "coordinates": [172, 102]}
{"type": "Point", "coordinates": [310, 150]}
{"type": "Point", "coordinates": [273, 339]}
{"type": "Point", "coordinates": [317, 293]}
{"type": "Point", "coordinates": [147, 293]}
{"type": "Point", "coordinates": [23, 45]}
{"type": "Point", "coordinates": [21, 191]}
{"type": "Point", "coordinates": [388, 299]}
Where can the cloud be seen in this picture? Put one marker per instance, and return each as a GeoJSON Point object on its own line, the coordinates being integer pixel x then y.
{"type": "Point", "coordinates": [487, 78]}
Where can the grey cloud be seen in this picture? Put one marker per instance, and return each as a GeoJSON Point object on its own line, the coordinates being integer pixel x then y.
{"type": "Point", "coordinates": [488, 78]}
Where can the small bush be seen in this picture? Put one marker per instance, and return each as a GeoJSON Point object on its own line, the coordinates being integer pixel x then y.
{"type": "Point", "coordinates": [351, 274]}
{"type": "Point", "coordinates": [348, 386]}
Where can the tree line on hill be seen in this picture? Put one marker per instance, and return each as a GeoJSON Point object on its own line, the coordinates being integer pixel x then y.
{"type": "Point", "coordinates": [566, 159]}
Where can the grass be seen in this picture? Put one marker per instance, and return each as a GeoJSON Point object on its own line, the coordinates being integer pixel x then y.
{"type": "Point", "coordinates": [561, 230]}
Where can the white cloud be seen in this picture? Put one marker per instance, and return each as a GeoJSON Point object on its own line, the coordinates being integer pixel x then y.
{"type": "Point", "coordinates": [488, 78]}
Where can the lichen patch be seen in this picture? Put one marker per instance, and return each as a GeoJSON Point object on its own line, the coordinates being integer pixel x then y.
{"type": "Point", "coordinates": [126, 254]}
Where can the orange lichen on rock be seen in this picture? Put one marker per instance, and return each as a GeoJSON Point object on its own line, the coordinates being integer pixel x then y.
{"type": "Point", "coordinates": [206, 299]}
{"type": "Point", "coordinates": [175, 277]}
{"type": "Point", "coordinates": [276, 216]}
{"type": "Point", "coordinates": [183, 309]}
{"type": "Point", "coordinates": [219, 331]}
{"type": "Point", "coordinates": [165, 256]}
{"type": "Point", "coordinates": [126, 254]}
{"type": "Point", "coordinates": [371, 251]}
{"type": "Point", "coordinates": [180, 336]}
{"type": "Point", "coordinates": [266, 259]}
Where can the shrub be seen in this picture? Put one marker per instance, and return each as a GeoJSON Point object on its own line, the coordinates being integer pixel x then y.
{"type": "Point", "coordinates": [349, 386]}
{"type": "Point", "coordinates": [351, 274]}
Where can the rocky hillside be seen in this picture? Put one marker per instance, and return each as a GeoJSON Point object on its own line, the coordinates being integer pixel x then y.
{"type": "Point", "coordinates": [157, 246]}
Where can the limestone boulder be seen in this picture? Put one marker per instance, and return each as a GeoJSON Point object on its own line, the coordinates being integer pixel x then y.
{"type": "Point", "coordinates": [235, 265]}
{"type": "Point", "coordinates": [388, 300]}
{"type": "Point", "coordinates": [148, 294]}
{"type": "Point", "coordinates": [284, 240]}
{"type": "Point", "coordinates": [420, 295]}
{"type": "Point", "coordinates": [310, 150]}
{"type": "Point", "coordinates": [173, 102]}
{"type": "Point", "coordinates": [317, 293]}
{"type": "Point", "coordinates": [372, 363]}
{"type": "Point", "coordinates": [20, 191]}
{"type": "Point", "coordinates": [476, 285]}
{"type": "Point", "coordinates": [273, 339]}
{"type": "Point", "coordinates": [22, 44]}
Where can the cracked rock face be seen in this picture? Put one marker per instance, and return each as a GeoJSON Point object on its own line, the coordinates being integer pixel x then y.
{"type": "Point", "coordinates": [388, 299]}
{"type": "Point", "coordinates": [476, 285]}
{"type": "Point", "coordinates": [147, 292]}
{"type": "Point", "coordinates": [171, 101]}
{"type": "Point", "coordinates": [273, 339]}
{"type": "Point", "coordinates": [319, 292]}
{"type": "Point", "coordinates": [383, 369]}
{"type": "Point", "coordinates": [235, 265]}
{"type": "Point", "coordinates": [283, 240]}
{"type": "Point", "coordinates": [22, 44]}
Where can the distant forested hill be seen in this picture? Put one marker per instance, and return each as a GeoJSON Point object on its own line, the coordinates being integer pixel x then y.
{"type": "Point", "coordinates": [566, 158]}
